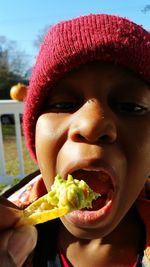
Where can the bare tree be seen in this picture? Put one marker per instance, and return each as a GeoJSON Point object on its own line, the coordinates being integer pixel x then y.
{"type": "Point", "coordinates": [41, 36]}
{"type": "Point", "coordinates": [11, 58]}
{"type": "Point", "coordinates": [13, 66]}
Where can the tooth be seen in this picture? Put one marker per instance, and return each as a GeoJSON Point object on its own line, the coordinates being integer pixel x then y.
{"type": "Point", "coordinates": [109, 196]}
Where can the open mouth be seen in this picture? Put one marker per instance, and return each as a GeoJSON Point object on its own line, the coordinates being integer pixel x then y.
{"type": "Point", "coordinates": [100, 182]}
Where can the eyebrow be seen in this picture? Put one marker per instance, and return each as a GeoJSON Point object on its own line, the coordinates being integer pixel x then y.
{"type": "Point", "coordinates": [67, 85]}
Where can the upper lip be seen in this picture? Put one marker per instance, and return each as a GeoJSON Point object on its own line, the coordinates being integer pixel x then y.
{"type": "Point", "coordinates": [91, 165]}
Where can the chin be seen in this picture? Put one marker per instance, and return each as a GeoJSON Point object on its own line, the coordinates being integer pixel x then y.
{"type": "Point", "coordinates": [87, 232]}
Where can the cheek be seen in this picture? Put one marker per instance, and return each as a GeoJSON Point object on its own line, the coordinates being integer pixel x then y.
{"type": "Point", "coordinates": [137, 146]}
{"type": "Point", "coordinates": [47, 143]}
{"type": "Point", "coordinates": [141, 155]}
{"type": "Point", "coordinates": [138, 158]}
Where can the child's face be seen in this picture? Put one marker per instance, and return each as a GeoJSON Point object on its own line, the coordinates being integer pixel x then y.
{"type": "Point", "coordinates": [96, 126]}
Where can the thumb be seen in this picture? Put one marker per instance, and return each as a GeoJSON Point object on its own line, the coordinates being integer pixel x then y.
{"type": "Point", "coordinates": [21, 243]}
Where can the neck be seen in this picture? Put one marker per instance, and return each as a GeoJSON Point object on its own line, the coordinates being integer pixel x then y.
{"type": "Point", "coordinates": [119, 248]}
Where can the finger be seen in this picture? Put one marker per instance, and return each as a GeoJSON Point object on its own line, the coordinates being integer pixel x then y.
{"type": "Point", "coordinates": [5, 201]}
{"type": "Point", "coordinates": [16, 245]}
{"type": "Point", "coordinates": [9, 214]}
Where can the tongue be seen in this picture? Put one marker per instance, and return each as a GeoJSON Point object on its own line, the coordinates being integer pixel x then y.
{"type": "Point", "coordinates": [99, 203]}
{"type": "Point", "coordinates": [100, 182]}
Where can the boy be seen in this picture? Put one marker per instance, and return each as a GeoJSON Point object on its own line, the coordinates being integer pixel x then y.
{"type": "Point", "coordinates": [87, 113]}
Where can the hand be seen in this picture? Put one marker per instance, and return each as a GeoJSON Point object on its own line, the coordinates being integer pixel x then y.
{"type": "Point", "coordinates": [16, 244]}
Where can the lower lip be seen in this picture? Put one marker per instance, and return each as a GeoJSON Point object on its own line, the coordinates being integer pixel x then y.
{"type": "Point", "coordinates": [85, 218]}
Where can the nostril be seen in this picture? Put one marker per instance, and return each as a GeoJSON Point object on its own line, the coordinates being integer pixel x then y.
{"type": "Point", "coordinates": [104, 138]}
{"type": "Point", "coordinates": [79, 138]}
{"type": "Point", "coordinates": [92, 139]}
{"type": "Point", "coordinates": [107, 138]}
{"type": "Point", "coordinates": [76, 136]}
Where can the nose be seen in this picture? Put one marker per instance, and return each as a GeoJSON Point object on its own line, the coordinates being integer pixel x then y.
{"type": "Point", "coordinates": [93, 124]}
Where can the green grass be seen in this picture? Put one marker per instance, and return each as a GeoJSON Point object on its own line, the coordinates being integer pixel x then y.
{"type": "Point", "coordinates": [11, 157]}
{"type": "Point", "coordinates": [8, 130]}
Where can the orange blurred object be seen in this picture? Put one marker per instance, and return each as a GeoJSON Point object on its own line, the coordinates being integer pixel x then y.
{"type": "Point", "coordinates": [18, 92]}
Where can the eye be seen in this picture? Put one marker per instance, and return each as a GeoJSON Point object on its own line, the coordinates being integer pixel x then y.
{"type": "Point", "coordinates": [130, 108]}
{"type": "Point", "coordinates": [63, 107]}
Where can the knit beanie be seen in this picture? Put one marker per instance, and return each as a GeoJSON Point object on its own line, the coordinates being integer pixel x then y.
{"type": "Point", "coordinates": [67, 45]}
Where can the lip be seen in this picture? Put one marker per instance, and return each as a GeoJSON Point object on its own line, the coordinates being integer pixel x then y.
{"type": "Point", "coordinates": [88, 218]}
{"type": "Point", "coordinates": [85, 218]}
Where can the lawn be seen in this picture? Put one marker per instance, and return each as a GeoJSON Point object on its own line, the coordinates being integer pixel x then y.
{"type": "Point", "coordinates": [11, 157]}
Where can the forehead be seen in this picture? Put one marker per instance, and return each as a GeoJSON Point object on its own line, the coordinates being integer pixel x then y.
{"type": "Point", "coordinates": [98, 67]}
{"type": "Point", "coordinates": [99, 74]}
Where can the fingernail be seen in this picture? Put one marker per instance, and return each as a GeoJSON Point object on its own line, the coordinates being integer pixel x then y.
{"type": "Point", "coordinates": [22, 243]}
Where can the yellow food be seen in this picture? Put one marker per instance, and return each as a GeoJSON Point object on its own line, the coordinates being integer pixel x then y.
{"type": "Point", "coordinates": [41, 217]}
{"type": "Point", "coordinates": [65, 196]}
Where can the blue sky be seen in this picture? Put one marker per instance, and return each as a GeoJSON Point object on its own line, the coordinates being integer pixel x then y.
{"type": "Point", "coordinates": [22, 21]}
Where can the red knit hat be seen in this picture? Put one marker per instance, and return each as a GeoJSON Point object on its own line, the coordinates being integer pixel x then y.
{"type": "Point", "coordinates": [78, 41]}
